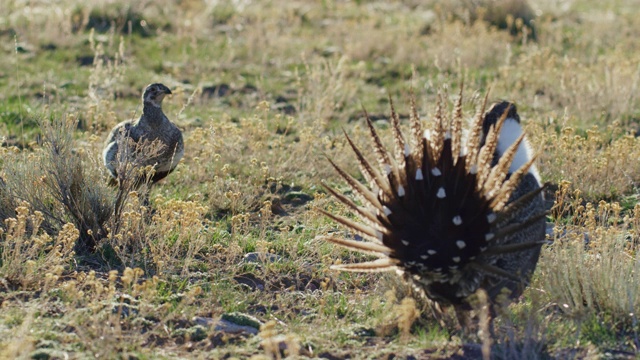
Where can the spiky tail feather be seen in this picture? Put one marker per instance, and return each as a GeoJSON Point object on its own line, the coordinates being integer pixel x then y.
{"type": "Point", "coordinates": [452, 217]}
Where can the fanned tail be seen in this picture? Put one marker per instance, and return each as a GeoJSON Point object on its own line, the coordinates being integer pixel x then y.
{"type": "Point", "coordinates": [453, 214]}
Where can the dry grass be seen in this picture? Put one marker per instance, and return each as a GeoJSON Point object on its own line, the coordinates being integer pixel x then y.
{"type": "Point", "coordinates": [262, 92]}
{"type": "Point", "coordinates": [600, 162]}
{"type": "Point", "coordinates": [592, 267]}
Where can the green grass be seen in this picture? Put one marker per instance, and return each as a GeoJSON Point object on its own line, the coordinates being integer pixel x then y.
{"type": "Point", "coordinates": [296, 74]}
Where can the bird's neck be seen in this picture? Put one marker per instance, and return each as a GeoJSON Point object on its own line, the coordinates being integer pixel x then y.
{"type": "Point", "coordinates": [152, 114]}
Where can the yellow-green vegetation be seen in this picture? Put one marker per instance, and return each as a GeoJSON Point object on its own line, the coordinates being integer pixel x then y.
{"type": "Point", "coordinates": [262, 91]}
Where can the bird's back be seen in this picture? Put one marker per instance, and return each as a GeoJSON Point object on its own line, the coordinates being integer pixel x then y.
{"type": "Point", "coordinates": [164, 144]}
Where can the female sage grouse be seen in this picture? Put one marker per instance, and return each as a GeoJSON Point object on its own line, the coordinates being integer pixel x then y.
{"type": "Point", "coordinates": [451, 215]}
{"type": "Point", "coordinates": [166, 146]}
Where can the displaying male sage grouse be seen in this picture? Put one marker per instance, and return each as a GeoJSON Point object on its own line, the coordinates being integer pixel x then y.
{"type": "Point", "coordinates": [163, 137]}
{"type": "Point", "coordinates": [452, 214]}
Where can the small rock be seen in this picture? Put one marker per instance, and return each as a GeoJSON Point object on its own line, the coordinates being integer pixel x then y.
{"type": "Point", "coordinates": [231, 323]}
{"type": "Point", "coordinates": [195, 333]}
{"type": "Point", "coordinates": [231, 328]}
{"type": "Point", "coordinates": [364, 332]}
{"type": "Point", "coordinates": [285, 108]}
{"type": "Point", "coordinates": [257, 257]}
{"type": "Point", "coordinates": [219, 90]}
{"type": "Point", "coordinates": [331, 51]}
{"type": "Point", "coordinates": [329, 356]}
{"type": "Point", "coordinates": [250, 281]}
{"type": "Point", "coordinates": [249, 89]}
{"type": "Point", "coordinates": [49, 47]}
{"type": "Point", "coordinates": [204, 321]}
{"type": "Point", "coordinates": [298, 195]}
{"type": "Point", "coordinates": [555, 235]}
{"type": "Point", "coordinates": [22, 48]}
{"type": "Point", "coordinates": [549, 230]}
{"type": "Point", "coordinates": [46, 353]}
{"type": "Point", "coordinates": [242, 319]}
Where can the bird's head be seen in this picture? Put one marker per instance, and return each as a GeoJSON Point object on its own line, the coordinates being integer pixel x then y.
{"type": "Point", "coordinates": [155, 93]}
{"type": "Point", "coordinates": [498, 110]}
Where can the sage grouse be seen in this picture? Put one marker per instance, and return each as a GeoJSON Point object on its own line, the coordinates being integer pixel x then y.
{"type": "Point", "coordinates": [152, 126]}
{"type": "Point", "coordinates": [451, 213]}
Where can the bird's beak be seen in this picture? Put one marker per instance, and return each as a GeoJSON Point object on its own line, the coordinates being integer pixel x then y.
{"type": "Point", "coordinates": [167, 91]}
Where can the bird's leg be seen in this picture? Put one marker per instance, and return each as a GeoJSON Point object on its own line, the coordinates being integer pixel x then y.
{"type": "Point", "coordinates": [467, 322]}
{"type": "Point", "coordinates": [146, 202]}
{"type": "Point", "coordinates": [145, 197]}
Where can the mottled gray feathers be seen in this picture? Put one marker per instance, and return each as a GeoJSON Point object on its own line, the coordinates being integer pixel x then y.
{"type": "Point", "coordinates": [152, 140]}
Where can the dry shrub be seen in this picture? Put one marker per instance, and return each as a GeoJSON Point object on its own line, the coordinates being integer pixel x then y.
{"type": "Point", "coordinates": [61, 183]}
{"type": "Point", "coordinates": [275, 345]}
{"type": "Point", "coordinates": [72, 180]}
{"type": "Point", "coordinates": [521, 331]}
{"type": "Point", "coordinates": [407, 315]}
{"type": "Point", "coordinates": [27, 252]}
{"type": "Point", "coordinates": [593, 267]}
{"type": "Point", "coordinates": [107, 73]}
{"type": "Point", "coordinates": [182, 225]}
{"type": "Point", "coordinates": [324, 92]}
{"type": "Point", "coordinates": [166, 240]}
{"type": "Point", "coordinates": [476, 46]}
{"type": "Point", "coordinates": [602, 163]}
{"type": "Point", "coordinates": [593, 91]}
{"type": "Point", "coordinates": [232, 182]}
{"type": "Point", "coordinates": [41, 22]}
{"type": "Point", "coordinates": [8, 203]}
{"type": "Point", "coordinates": [22, 340]}
{"type": "Point", "coordinates": [116, 307]}
{"type": "Point", "coordinates": [514, 15]}
{"type": "Point", "coordinates": [445, 48]}
{"type": "Point", "coordinates": [399, 315]}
